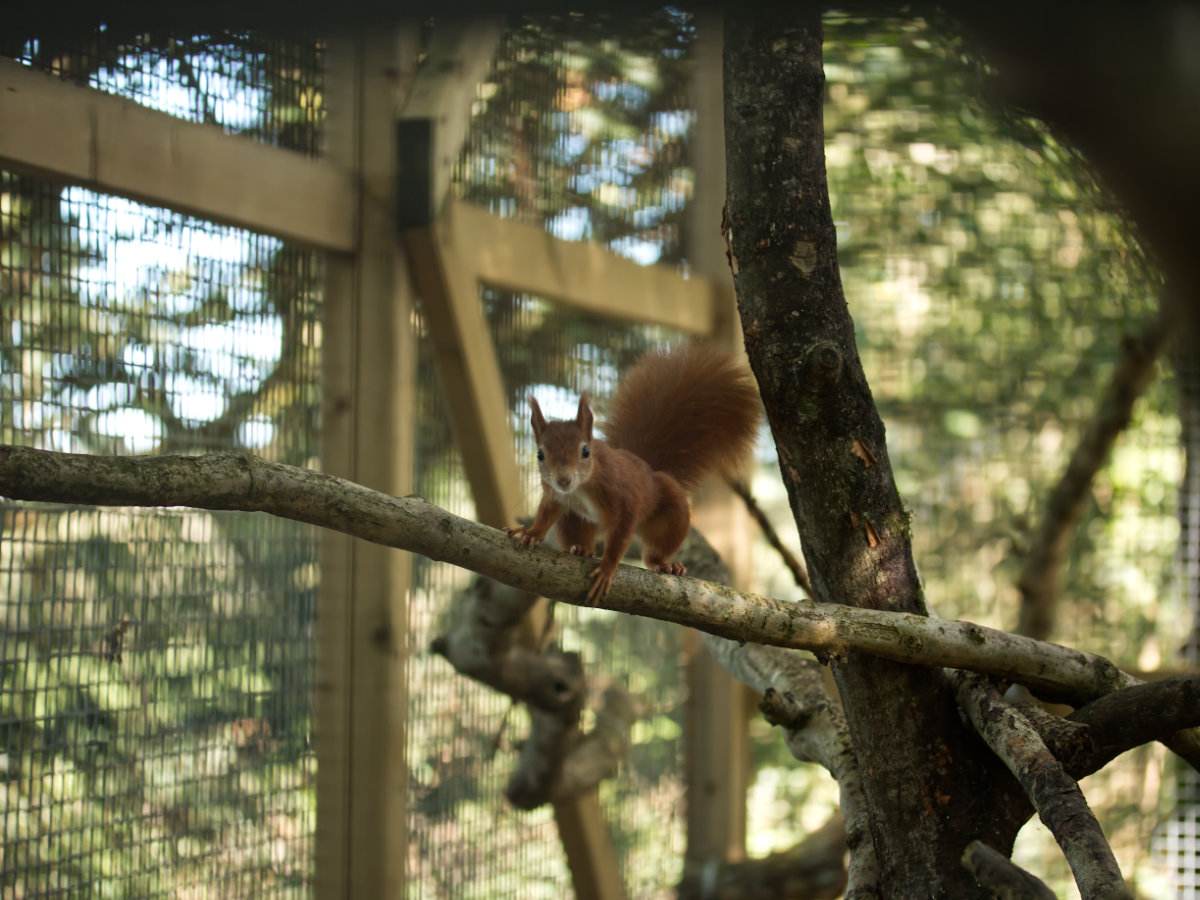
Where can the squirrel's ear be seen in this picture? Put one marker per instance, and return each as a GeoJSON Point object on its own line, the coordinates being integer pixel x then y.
{"type": "Point", "coordinates": [537, 420]}
{"type": "Point", "coordinates": [583, 418]}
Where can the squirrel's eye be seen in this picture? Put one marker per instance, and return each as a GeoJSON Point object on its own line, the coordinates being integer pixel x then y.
{"type": "Point", "coordinates": [585, 451]}
{"type": "Point", "coordinates": [541, 455]}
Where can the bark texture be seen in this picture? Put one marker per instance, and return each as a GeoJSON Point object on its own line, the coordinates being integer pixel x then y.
{"type": "Point", "coordinates": [922, 771]}
{"type": "Point", "coordinates": [831, 630]}
{"type": "Point", "coordinates": [1055, 795]}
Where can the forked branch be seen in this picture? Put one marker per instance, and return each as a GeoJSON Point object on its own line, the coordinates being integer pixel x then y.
{"type": "Point", "coordinates": [557, 760]}
{"type": "Point", "coordinates": [1055, 795]}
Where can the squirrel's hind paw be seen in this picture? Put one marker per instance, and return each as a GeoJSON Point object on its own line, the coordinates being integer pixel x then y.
{"type": "Point", "coordinates": [675, 568]}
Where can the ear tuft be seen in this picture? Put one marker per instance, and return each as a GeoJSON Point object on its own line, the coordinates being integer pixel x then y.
{"type": "Point", "coordinates": [583, 418]}
{"type": "Point", "coordinates": [537, 420]}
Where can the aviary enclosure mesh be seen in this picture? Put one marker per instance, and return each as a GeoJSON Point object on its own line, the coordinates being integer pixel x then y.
{"type": "Point", "coordinates": [156, 666]}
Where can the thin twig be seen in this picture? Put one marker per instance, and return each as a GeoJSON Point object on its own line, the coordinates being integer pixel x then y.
{"type": "Point", "coordinates": [1131, 376]}
{"type": "Point", "coordinates": [799, 573]}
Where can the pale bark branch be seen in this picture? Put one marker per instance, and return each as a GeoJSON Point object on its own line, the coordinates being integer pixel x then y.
{"type": "Point", "coordinates": [813, 869]}
{"type": "Point", "coordinates": [242, 482]}
{"type": "Point", "coordinates": [557, 761]}
{"type": "Point", "coordinates": [796, 699]}
{"type": "Point", "coordinates": [1131, 376]}
{"type": "Point", "coordinates": [815, 727]}
{"type": "Point", "coordinates": [483, 644]}
{"type": "Point", "coordinates": [1000, 875]}
{"type": "Point", "coordinates": [1055, 795]}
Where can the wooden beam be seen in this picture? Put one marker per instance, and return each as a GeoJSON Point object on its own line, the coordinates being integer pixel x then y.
{"type": "Point", "coordinates": [522, 257]}
{"type": "Point", "coordinates": [368, 368]}
{"type": "Point", "coordinates": [444, 272]}
{"type": "Point", "coordinates": [718, 747]}
{"type": "Point", "coordinates": [59, 131]}
{"type": "Point", "coordinates": [469, 373]}
{"type": "Point", "coordinates": [437, 114]}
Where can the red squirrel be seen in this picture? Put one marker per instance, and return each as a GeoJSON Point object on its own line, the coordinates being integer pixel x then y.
{"type": "Point", "coordinates": [676, 416]}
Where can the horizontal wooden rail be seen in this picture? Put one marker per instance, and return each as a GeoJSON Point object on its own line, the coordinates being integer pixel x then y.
{"type": "Point", "coordinates": [586, 275]}
{"type": "Point", "coordinates": [58, 130]}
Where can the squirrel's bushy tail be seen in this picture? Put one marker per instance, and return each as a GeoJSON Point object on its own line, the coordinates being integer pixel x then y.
{"type": "Point", "coordinates": [686, 411]}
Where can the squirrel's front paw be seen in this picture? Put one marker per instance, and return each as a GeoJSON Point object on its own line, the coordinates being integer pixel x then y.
{"type": "Point", "coordinates": [525, 537]}
{"type": "Point", "coordinates": [601, 577]}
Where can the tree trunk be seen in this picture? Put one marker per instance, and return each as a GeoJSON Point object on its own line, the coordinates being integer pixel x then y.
{"type": "Point", "coordinates": [931, 787]}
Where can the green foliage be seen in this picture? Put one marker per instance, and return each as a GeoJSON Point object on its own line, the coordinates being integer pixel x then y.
{"type": "Point", "coordinates": [582, 125]}
{"type": "Point", "coordinates": [991, 283]}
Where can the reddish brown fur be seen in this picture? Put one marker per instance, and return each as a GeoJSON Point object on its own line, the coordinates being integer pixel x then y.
{"type": "Point", "coordinates": [687, 411]}
{"type": "Point", "coordinates": [676, 416]}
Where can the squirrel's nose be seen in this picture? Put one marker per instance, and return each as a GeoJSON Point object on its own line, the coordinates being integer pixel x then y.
{"type": "Point", "coordinates": [563, 480]}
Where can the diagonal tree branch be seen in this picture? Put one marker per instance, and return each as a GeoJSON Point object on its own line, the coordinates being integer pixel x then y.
{"type": "Point", "coordinates": [243, 482]}
{"type": "Point", "coordinates": [1131, 376]}
{"type": "Point", "coordinates": [1055, 795]}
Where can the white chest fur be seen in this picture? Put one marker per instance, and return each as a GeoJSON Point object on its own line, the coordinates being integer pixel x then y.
{"type": "Point", "coordinates": [578, 503]}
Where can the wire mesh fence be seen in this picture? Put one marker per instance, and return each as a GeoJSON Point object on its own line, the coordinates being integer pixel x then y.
{"type": "Point", "coordinates": [990, 282]}
{"type": "Point", "coordinates": [156, 666]}
{"type": "Point", "coordinates": [1177, 837]}
{"type": "Point", "coordinates": [265, 88]}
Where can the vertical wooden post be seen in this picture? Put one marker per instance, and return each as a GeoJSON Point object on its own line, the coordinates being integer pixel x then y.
{"type": "Point", "coordinates": [470, 378]}
{"type": "Point", "coordinates": [368, 364]}
{"type": "Point", "coordinates": [718, 757]}
{"type": "Point", "coordinates": [433, 125]}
